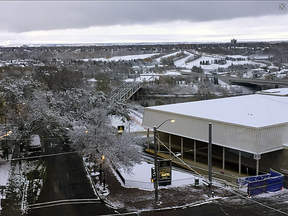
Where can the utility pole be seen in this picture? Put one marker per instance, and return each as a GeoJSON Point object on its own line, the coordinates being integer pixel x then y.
{"type": "Point", "coordinates": [210, 159]}
{"type": "Point", "coordinates": [156, 165]}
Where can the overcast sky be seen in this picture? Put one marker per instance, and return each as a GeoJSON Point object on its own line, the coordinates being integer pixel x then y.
{"type": "Point", "coordinates": [30, 22]}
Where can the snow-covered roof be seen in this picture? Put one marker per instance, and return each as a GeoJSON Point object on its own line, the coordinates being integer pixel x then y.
{"type": "Point", "coordinates": [251, 110]}
{"type": "Point", "coordinates": [277, 91]}
{"type": "Point", "coordinates": [35, 140]}
{"type": "Point", "coordinates": [92, 80]}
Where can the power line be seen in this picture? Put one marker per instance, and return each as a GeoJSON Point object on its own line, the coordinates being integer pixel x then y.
{"type": "Point", "coordinates": [41, 156]}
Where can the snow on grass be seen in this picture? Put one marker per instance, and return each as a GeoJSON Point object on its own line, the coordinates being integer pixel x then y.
{"type": "Point", "coordinates": [181, 62]}
{"type": "Point", "coordinates": [152, 76]}
{"type": "Point", "coordinates": [172, 73]}
{"type": "Point", "coordinates": [5, 167]}
{"type": "Point", "coordinates": [142, 78]}
{"type": "Point", "coordinates": [134, 125]}
{"type": "Point", "coordinates": [241, 89]}
{"type": "Point", "coordinates": [166, 56]}
{"type": "Point", "coordinates": [123, 58]}
{"type": "Point", "coordinates": [189, 65]}
{"type": "Point", "coordinates": [259, 56]}
{"type": "Point", "coordinates": [196, 62]}
{"type": "Point", "coordinates": [236, 56]}
{"type": "Point", "coordinates": [140, 177]}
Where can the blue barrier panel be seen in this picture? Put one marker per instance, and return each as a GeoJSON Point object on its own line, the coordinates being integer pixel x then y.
{"type": "Point", "coordinates": [275, 183]}
{"type": "Point", "coordinates": [257, 187]}
{"type": "Point", "coordinates": [273, 173]}
{"type": "Point", "coordinates": [264, 183]}
{"type": "Point", "coordinates": [246, 180]}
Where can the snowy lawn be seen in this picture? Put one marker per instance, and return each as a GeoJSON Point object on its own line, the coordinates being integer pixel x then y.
{"type": "Point", "coordinates": [123, 58]}
{"type": "Point", "coordinates": [189, 65]}
{"type": "Point", "coordinates": [5, 167]}
{"type": "Point", "coordinates": [140, 177]}
{"type": "Point", "coordinates": [168, 55]}
{"type": "Point", "coordinates": [134, 125]}
{"type": "Point", "coordinates": [181, 193]}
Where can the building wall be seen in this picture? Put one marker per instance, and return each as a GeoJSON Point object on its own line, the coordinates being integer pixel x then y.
{"type": "Point", "coordinates": [238, 137]}
{"type": "Point", "coordinates": [272, 138]}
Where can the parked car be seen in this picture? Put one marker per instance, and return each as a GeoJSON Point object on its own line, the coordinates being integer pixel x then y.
{"type": "Point", "coordinates": [35, 143]}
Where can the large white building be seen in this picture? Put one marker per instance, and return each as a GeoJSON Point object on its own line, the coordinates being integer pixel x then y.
{"type": "Point", "coordinates": [255, 126]}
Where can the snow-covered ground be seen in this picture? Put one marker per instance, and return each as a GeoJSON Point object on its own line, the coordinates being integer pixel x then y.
{"type": "Point", "coordinates": [168, 55]}
{"type": "Point", "coordinates": [152, 76]}
{"type": "Point", "coordinates": [277, 91]}
{"type": "Point", "coordinates": [5, 167]}
{"type": "Point", "coordinates": [189, 65]}
{"type": "Point", "coordinates": [123, 58]}
{"type": "Point", "coordinates": [4, 170]}
{"type": "Point", "coordinates": [140, 177]}
{"type": "Point", "coordinates": [134, 125]}
{"type": "Point", "coordinates": [181, 62]}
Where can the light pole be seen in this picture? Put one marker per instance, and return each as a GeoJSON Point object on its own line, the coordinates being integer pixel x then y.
{"type": "Point", "coordinates": [155, 159]}
{"type": "Point", "coordinates": [103, 170]}
{"type": "Point", "coordinates": [210, 159]}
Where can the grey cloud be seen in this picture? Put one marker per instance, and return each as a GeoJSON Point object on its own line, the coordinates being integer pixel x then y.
{"type": "Point", "coordinates": [29, 16]}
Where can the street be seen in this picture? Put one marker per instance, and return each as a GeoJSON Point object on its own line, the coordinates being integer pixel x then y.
{"type": "Point", "coordinates": [67, 190]}
{"type": "Point", "coordinates": [206, 209]}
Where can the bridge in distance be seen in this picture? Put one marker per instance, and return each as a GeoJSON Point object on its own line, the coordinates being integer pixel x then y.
{"type": "Point", "coordinates": [243, 81]}
{"type": "Point", "coordinates": [259, 82]}
{"type": "Point", "coordinates": [129, 89]}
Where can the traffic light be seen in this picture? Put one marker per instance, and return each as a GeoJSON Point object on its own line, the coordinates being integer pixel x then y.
{"type": "Point", "coordinates": [153, 174]}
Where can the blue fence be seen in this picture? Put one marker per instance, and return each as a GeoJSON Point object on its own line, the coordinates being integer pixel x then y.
{"type": "Point", "coordinates": [262, 183]}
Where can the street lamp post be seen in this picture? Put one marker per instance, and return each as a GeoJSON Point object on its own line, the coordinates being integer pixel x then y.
{"type": "Point", "coordinates": [104, 175]}
{"type": "Point", "coordinates": [156, 182]}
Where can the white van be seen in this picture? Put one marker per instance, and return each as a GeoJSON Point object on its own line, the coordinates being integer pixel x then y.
{"type": "Point", "coordinates": [35, 143]}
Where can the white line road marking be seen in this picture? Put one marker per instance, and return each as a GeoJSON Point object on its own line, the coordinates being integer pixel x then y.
{"type": "Point", "coordinates": [63, 202]}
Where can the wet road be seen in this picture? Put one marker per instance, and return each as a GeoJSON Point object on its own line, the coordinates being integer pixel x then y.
{"type": "Point", "coordinates": [67, 190]}
{"type": "Point", "coordinates": [207, 209]}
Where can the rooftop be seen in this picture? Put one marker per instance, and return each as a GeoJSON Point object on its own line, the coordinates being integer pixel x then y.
{"type": "Point", "coordinates": [250, 110]}
{"type": "Point", "coordinates": [276, 91]}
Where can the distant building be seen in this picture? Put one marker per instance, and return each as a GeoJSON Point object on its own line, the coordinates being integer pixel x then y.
{"type": "Point", "coordinates": [233, 42]}
{"type": "Point", "coordinates": [187, 46]}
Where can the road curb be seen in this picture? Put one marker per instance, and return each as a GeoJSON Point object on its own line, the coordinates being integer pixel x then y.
{"type": "Point", "coordinates": [95, 189]}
